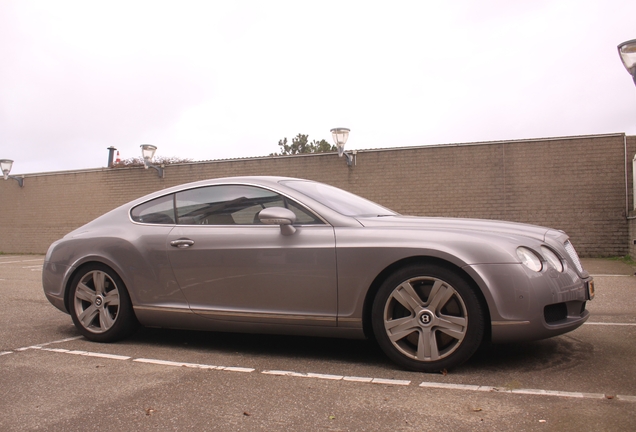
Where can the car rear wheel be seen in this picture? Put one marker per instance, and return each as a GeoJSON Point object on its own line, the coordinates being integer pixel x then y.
{"type": "Point", "coordinates": [100, 306]}
{"type": "Point", "coordinates": [427, 318]}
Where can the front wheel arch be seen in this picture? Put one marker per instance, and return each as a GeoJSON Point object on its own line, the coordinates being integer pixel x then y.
{"type": "Point", "coordinates": [435, 263]}
{"type": "Point", "coordinates": [418, 260]}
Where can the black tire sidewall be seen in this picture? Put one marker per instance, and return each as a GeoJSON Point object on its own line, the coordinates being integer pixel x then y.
{"type": "Point", "coordinates": [474, 334]}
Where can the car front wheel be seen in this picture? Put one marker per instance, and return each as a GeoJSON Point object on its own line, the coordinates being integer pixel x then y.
{"type": "Point", "coordinates": [100, 306]}
{"type": "Point", "coordinates": [427, 318]}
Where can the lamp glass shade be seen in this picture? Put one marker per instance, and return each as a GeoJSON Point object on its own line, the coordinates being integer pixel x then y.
{"type": "Point", "coordinates": [148, 152]}
{"type": "Point", "coordinates": [340, 136]}
{"type": "Point", "coordinates": [627, 51]}
{"type": "Point", "coordinates": [5, 166]}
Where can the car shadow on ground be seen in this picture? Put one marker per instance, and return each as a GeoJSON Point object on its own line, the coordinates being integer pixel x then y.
{"type": "Point", "coordinates": [264, 345]}
{"type": "Point", "coordinates": [559, 353]}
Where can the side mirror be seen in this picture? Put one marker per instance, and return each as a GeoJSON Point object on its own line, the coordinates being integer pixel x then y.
{"type": "Point", "coordinates": [279, 216]}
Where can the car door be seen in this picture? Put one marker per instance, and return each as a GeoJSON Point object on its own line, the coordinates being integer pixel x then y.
{"type": "Point", "coordinates": [231, 267]}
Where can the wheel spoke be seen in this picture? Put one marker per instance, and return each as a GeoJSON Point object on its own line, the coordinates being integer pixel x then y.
{"type": "Point", "coordinates": [400, 328]}
{"type": "Point", "coordinates": [406, 295]}
{"type": "Point", "coordinates": [454, 327]}
{"type": "Point", "coordinates": [111, 298]}
{"type": "Point", "coordinates": [84, 293]}
{"type": "Point", "coordinates": [98, 281]}
{"type": "Point", "coordinates": [105, 320]}
{"type": "Point", "coordinates": [455, 321]}
{"type": "Point", "coordinates": [440, 294]}
{"type": "Point", "coordinates": [87, 316]}
{"type": "Point", "coordinates": [427, 346]}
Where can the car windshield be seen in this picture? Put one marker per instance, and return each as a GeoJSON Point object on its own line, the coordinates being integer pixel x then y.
{"type": "Point", "coordinates": [338, 200]}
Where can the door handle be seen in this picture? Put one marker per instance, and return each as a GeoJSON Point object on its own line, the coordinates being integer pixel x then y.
{"type": "Point", "coordinates": [182, 243]}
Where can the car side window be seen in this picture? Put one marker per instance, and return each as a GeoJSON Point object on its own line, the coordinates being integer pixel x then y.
{"type": "Point", "coordinates": [157, 211]}
{"type": "Point", "coordinates": [231, 205]}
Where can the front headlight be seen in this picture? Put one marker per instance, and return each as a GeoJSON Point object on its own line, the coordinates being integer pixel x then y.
{"type": "Point", "coordinates": [529, 259]}
{"type": "Point", "coordinates": [552, 259]}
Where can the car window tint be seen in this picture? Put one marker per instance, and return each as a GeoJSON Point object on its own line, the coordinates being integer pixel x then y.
{"type": "Point", "coordinates": [303, 217]}
{"type": "Point", "coordinates": [158, 211]}
{"type": "Point", "coordinates": [231, 205]}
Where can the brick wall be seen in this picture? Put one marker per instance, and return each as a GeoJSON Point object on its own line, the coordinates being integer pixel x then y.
{"type": "Point", "coordinates": [574, 183]}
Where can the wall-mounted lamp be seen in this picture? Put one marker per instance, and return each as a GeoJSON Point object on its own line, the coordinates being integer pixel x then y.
{"type": "Point", "coordinates": [148, 152]}
{"type": "Point", "coordinates": [340, 136]}
{"type": "Point", "coordinates": [627, 51]}
{"type": "Point", "coordinates": [5, 166]}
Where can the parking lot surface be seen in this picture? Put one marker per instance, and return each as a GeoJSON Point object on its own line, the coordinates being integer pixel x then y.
{"type": "Point", "coordinates": [53, 379]}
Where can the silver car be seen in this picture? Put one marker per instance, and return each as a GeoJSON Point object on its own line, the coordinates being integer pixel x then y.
{"type": "Point", "coordinates": [291, 256]}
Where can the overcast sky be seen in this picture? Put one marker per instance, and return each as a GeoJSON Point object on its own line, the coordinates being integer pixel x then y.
{"type": "Point", "coordinates": [225, 79]}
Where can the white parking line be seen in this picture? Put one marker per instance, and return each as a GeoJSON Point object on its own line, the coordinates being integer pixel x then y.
{"type": "Point", "coordinates": [49, 343]}
{"type": "Point", "coordinates": [610, 324]}
{"type": "Point", "coordinates": [85, 353]}
{"type": "Point", "coordinates": [535, 392]}
{"type": "Point", "coordinates": [13, 262]}
{"type": "Point", "coordinates": [329, 377]}
{"type": "Point", "coordinates": [178, 364]}
{"type": "Point", "coordinates": [336, 377]}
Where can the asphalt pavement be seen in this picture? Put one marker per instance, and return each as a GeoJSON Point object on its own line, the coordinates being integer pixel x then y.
{"type": "Point", "coordinates": [53, 379]}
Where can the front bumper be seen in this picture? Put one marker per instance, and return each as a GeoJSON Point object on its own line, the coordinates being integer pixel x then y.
{"type": "Point", "coordinates": [525, 305]}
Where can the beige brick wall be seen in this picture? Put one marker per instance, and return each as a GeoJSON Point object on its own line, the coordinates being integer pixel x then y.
{"type": "Point", "coordinates": [576, 184]}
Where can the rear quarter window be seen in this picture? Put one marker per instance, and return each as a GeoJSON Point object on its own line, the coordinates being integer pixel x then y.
{"type": "Point", "coordinates": [158, 211]}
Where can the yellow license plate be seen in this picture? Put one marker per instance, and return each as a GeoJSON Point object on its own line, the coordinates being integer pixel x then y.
{"type": "Point", "coordinates": [590, 289]}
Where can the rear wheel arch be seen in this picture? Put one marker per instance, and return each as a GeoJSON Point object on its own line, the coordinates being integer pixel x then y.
{"type": "Point", "coordinates": [123, 321]}
{"type": "Point", "coordinates": [80, 268]}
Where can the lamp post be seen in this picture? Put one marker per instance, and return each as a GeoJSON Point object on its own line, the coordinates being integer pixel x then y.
{"type": "Point", "coordinates": [148, 152]}
{"type": "Point", "coordinates": [627, 51]}
{"type": "Point", "coordinates": [340, 136]}
{"type": "Point", "coordinates": [5, 166]}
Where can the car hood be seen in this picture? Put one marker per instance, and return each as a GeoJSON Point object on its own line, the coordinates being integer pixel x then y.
{"type": "Point", "coordinates": [457, 224]}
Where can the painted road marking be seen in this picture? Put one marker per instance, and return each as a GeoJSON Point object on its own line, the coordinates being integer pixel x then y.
{"type": "Point", "coordinates": [534, 392]}
{"type": "Point", "coordinates": [49, 343]}
{"type": "Point", "coordinates": [329, 377]}
{"type": "Point", "coordinates": [13, 262]}
{"type": "Point", "coordinates": [610, 324]}
{"type": "Point", "coordinates": [194, 365]}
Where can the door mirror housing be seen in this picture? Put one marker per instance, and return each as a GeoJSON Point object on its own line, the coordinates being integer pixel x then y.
{"type": "Point", "coordinates": [279, 216]}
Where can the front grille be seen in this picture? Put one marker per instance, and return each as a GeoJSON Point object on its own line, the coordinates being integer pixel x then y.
{"type": "Point", "coordinates": [555, 312]}
{"type": "Point", "coordinates": [573, 255]}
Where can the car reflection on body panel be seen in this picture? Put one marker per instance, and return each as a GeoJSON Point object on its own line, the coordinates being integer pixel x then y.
{"type": "Point", "coordinates": [292, 256]}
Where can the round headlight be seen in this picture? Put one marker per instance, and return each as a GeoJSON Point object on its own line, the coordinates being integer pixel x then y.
{"type": "Point", "coordinates": [552, 259]}
{"type": "Point", "coordinates": [529, 259]}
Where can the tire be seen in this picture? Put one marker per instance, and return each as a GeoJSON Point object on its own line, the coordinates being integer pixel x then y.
{"type": "Point", "coordinates": [427, 318]}
{"type": "Point", "coordinates": [100, 306]}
